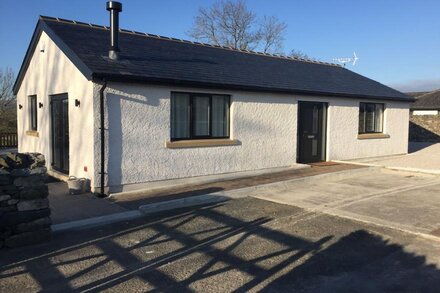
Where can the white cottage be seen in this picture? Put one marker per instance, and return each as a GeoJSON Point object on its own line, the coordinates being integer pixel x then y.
{"type": "Point", "coordinates": [155, 108]}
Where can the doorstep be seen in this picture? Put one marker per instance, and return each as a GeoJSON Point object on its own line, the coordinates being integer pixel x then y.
{"type": "Point", "coordinates": [133, 200]}
{"type": "Point", "coordinates": [57, 175]}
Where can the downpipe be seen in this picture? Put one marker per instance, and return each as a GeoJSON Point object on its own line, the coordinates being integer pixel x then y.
{"type": "Point", "coordinates": [102, 135]}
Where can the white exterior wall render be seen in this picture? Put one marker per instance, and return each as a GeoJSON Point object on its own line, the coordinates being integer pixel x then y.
{"type": "Point", "coordinates": [49, 73]}
{"type": "Point", "coordinates": [265, 124]}
{"type": "Point", "coordinates": [343, 126]}
{"type": "Point", "coordinates": [424, 112]}
{"type": "Point", "coordinates": [138, 119]}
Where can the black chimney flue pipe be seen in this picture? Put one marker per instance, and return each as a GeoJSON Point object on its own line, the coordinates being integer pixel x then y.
{"type": "Point", "coordinates": [114, 8]}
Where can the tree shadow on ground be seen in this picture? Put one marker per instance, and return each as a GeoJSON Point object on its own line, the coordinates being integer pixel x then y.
{"type": "Point", "coordinates": [236, 246]}
{"type": "Point", "coordinates": [364, 262]}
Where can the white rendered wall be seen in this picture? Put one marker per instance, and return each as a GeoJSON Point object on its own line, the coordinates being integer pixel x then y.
{"type": "Point", "coordinates": [343, 123]}
{"type": "Point", "coordinates": [49, 73]}
{"type": "Point", "coordinates": [424, 112]}
{"type": "Point", "coordinates": [138, 119]}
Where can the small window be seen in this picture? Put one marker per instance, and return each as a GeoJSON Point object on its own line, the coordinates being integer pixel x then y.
{"type": "Point", "coordinates": [371, 118]}
{"type": "Point", "coordinates": [198, 116]}
{"type": "Point", "coordinates": [33, 113]}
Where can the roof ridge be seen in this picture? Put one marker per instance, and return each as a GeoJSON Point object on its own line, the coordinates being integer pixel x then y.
{"type": "Point", "coordinates": [279, 56]}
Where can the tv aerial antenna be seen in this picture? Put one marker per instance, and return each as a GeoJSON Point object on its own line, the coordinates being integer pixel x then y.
{"type": "Point", "coordinates": [344, 61]}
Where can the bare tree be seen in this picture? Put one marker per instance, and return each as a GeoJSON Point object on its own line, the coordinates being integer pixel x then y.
{"type": "Point", "coordinates": [298, 54]}
{"type": "Point", "coordinates": [230, 23]}
{"type": "Point", "coordinates": [272, 34]}
{"type": "Point", "coordinates": [6, 83]}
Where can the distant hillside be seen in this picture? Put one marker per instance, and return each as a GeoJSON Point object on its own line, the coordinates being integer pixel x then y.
{"type": "Point", "coordinates": [415, 94]}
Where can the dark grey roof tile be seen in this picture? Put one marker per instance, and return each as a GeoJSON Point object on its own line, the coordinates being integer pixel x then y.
{"type": "Point", "coordinates": [146, 57]}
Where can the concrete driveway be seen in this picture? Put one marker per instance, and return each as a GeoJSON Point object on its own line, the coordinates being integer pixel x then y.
{"type": "Point", "coordinates": [401, 200]}
{"type": "Point", "coordinates": [421, 157]}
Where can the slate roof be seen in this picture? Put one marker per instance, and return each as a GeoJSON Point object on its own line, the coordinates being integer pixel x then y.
{"type": "Point", "coordinates": [151, 58]}
{"type": "Point", "coordinates": [429, 101]}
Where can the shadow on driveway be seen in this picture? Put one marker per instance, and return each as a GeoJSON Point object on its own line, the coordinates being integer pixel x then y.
{"type": "Point", "coordinates": [415, 146]}
{"type": "Point", "coordinates": [235, 246]}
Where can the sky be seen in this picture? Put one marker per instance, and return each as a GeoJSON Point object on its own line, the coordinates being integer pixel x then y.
{"type": "Point", "coordinates": [397, 41]}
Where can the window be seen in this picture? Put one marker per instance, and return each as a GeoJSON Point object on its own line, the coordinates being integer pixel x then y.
{"type": "Point", "coordinates": [198, 116]}
{"type": "Point", "coordinates": [371, 118]}
{"type": "Point", "coordinates": [33, 113]}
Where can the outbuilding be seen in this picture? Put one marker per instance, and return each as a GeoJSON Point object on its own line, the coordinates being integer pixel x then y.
{"type": "Point", "coordinates": [155, 108]}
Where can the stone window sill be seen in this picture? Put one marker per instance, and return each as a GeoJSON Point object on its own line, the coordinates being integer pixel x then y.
{"type": "Point", "coordinates": [200, 143]}
{"type": "Point", "coordinates": [32, 133]}
{"type": "Point", "coordinates": [373, 135]}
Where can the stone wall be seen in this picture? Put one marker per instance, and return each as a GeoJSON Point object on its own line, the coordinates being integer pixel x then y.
{"type": "Point", "coordinates": [24, 206]}
{"type": "Point", "coordinates": [424, 128]}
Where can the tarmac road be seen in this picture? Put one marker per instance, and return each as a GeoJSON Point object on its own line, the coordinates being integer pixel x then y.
{"type": "Point", "coordinates": [245, 244]}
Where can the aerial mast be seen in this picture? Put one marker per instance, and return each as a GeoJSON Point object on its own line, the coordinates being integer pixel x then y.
{"type": "Point", "coordinates": [344, 61]}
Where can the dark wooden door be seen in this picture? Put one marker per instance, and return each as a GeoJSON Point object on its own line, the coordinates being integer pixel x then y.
{"type": "Point", "coordinates": [312, 117]}
{"type": "Point", "coordinates": [60, 133]}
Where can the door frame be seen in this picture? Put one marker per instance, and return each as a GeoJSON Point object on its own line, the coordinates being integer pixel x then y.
{"type": "Point", "coordinates": [61, 96]}
{"type": "Point", "coordinates": [323, 131]}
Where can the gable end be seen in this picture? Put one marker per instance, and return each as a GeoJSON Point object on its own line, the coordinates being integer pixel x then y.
{"type": "Point", "coordinates": [42, 26]}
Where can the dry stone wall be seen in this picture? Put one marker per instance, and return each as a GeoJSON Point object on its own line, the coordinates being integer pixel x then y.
{"type": "Point", "coordinates": [24, 205]}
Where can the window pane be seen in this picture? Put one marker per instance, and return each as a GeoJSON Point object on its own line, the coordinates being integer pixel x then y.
{"type": "Point", "coordinates": [220, 116]}
{"type": "Point", "coordinates": [315, 118]}
{"type": "Point", "coordinates": [369, 118]}
{"type": "Point", "coordinates": [362, 118]}
{"type": "Point", "coordinates": [201, 116]}
{"type": "Point", "coordinates": [379, 118]}
{"type": "Point", "coordinates": [179, 116]}
{"type": "Point", "coordinates": [33, 112]}
{"type": "Point", "coordinates": [65, 109]}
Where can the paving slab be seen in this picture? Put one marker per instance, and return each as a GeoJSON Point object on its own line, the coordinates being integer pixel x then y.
{"type": "Point", "coordinates": [134, 200]}
{"type": "Point", "coordinates": [66, 207]}
{"type": "Point", "coordinates": [84, 210]}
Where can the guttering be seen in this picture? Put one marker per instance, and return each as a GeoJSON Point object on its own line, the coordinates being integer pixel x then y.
{"type": "Point", "coordinates": [102, 135]}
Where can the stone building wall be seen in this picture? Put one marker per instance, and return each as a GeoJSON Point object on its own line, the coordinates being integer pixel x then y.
{"type": "Point", "coordinates": [24, 206]}
{"type": "Point", "coordinates": [424, 128]}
